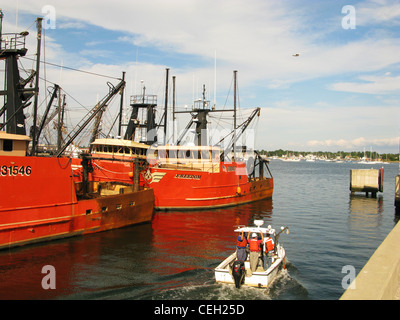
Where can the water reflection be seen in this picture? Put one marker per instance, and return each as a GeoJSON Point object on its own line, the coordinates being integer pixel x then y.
{"type": "Point", "coordinates": [174, 257]}
{"type": "Point", "coordinates": [21, 269]}
{"type": "Point", "coordinates": [178, 249]}
{"type": "Point", "coordinates": [182, 239]}
{"type": "Point", "coordinates": [365, 213]}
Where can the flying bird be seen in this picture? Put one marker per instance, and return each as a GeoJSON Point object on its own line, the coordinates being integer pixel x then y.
{"type": "Point", "coordinates": [295, 55]}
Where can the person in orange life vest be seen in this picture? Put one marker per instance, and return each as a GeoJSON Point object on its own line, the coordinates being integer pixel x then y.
{"type": "Point", "coordinates": [255, 249]}
{"type": "Point", "coordinates": [269, 251]}
{"type": "Point", "coordinates": [241, 245]}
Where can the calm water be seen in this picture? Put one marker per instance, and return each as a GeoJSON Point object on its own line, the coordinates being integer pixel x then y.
{"type": "Point", "coordinates": [174, 256]}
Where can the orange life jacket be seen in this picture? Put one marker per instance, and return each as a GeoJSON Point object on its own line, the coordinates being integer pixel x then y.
{"type": "Point", "coordinates": [254, 245]}
{"type": "Point", "coordinates": [241, 243]}
{"type": "Point", "coordinates": [269, 245]}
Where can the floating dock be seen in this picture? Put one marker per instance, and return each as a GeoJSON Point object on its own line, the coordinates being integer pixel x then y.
{"type": "Point", "coordinates": [366, 180]}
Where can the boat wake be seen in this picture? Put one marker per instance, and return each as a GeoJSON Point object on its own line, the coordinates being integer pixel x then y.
{"type": "Point", "coordinates": [283, 287]}
{"type": "Point", "coordinates": [286, 287]}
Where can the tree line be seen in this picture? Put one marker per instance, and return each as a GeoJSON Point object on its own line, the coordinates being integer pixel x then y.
{"type": "Point", "coordinates": [356, 155]}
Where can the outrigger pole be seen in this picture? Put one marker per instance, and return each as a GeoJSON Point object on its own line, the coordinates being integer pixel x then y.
{"type": "Point", "coordinates": [97, 108]}
{"type": "Point", "coordinates": [121, 107]}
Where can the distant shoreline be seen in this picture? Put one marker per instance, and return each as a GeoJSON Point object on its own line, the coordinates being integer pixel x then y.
{"type": "Point", "coordinates": [327, 155]}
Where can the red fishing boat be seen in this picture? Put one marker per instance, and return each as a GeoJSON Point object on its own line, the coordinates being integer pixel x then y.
{"type": "Point", "coordinates": [195, 176]}
{"type": "Point", "coordinates": [199, 176]}
{"type": "Point", "coordinates": [41, 199]}
{"type": "Point", "coordinates": [192, 177]}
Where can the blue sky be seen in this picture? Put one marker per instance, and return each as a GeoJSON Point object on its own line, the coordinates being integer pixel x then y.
{"type": "Point", "coordinates": [340, 93]}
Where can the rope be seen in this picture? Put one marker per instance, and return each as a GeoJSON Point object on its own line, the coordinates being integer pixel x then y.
{"type": "Point", "coordinates": [103, 169]}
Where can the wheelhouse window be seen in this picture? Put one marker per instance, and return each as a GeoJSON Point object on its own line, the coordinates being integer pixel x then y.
{"type": "Point", "coordinates": [215, 155]}
{"type": "Point", "coordinates": [171, 154]}
{"type": "Point", "coordinates": [7, 145]}
{"type": "Point", "coordinates": [162, 154]}
{"type": "Point", "coordinates": [205, 154]}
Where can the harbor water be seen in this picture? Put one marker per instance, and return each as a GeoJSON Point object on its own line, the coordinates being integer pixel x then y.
{"type": "Point", "coordinates": [173, 258]}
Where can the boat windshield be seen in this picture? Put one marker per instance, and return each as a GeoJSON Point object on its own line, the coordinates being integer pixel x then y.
{"type": "Point", "coordinates": [256, 229]}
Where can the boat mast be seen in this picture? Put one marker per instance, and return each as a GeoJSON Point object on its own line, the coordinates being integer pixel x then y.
{"type": "Point", "coordinates": [166, 107]}
{"type": "Point", "coordinates": [173, 108]}
{"type": "Point", "coordinates": [148, 103]}
{"type": "Point", "coordinates": [16, 95]}
{"type": "Point", "coordinates": [234, 115]}
{"type": "Point", "coordinates": [35, 101]}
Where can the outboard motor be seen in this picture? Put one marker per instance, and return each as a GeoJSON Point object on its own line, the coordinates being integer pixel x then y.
{"type": "Point", "coordinates": [238, 273]}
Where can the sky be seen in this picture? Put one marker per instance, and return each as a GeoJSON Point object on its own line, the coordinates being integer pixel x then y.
{"type": "Point", "coordinates": [326, 74]}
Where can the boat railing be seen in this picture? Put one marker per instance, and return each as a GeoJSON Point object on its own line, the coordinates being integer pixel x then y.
{"type": "Point", "coordinates": [143, 99]}
{"type": "Point", "coordinates": [13, 41]}
{"type": "Point", "coordinates": [201, 104]}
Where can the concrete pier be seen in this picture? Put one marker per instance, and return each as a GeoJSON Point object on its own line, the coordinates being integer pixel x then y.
{"type": "Point", "coordinates": [379, 279]}
{"type": "Point", "coordinates": [366, 180]}
{"type": "Point", "coordinates": [397, 195]}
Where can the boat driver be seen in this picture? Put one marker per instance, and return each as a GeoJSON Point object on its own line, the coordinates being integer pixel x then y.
{"type": "Point", "coordinates": [241, 244]}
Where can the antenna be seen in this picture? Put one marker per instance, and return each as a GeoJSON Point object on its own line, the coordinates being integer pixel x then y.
{"type": "Point", "coordinates": [258, 223]}
{"type": "Point", "coordinates": [215, 79]}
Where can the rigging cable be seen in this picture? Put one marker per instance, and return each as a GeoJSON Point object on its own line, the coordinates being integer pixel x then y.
{"type": "Point", "coordinates": [77, 70]}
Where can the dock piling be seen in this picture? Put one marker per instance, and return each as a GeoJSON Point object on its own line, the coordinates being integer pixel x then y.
{"type": "Point", "coordinates": [366, 180]}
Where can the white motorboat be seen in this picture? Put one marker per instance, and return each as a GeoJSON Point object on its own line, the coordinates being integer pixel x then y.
{"type": "Point", "coordinates": [238, 272]}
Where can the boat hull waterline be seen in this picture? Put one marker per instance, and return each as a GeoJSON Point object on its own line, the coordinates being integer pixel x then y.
{"type": "Point", "coordinates": [191, 189]}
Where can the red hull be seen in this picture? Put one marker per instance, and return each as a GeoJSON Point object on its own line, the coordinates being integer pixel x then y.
{"type": "Point", "coordinates": [39, 203]}
{"type": "Point", "coordinates": [192, 189]}
{"type": "Point", "coordinates": [180, 189]}
{"type": "Point", "coordinates": [105, 170]}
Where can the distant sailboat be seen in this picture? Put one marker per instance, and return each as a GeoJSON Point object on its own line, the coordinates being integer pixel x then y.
{"type": "Point", "coordinates": [366, 160]}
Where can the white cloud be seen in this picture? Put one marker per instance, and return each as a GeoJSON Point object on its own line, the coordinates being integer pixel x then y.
{"type": "Point", "coordinates": [256, 38]}
{"type": "Point", "coordinates": [329, 127]}
{"type": "Point", "coordinates": [353, 144]}
{"type": "Point", "coordinates": [378, 12]}
{"type": "Point", "coordinates": [71, 25]}
{"type": "Point", "coordinates": [259, 38]}
{"type": "Point", "coordinates": [370, 84]}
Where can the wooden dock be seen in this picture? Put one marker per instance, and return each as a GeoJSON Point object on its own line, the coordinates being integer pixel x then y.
{"type": "Point", "coordinates": [366, 180]}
